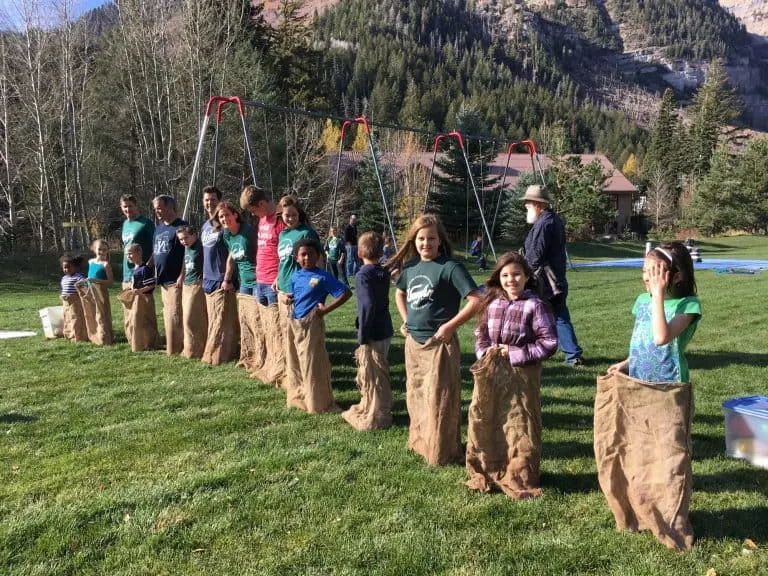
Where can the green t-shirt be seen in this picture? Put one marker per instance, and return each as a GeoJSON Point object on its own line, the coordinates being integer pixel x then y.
{"type": "Point", "coordinates": [285, 244]}
{"type": "Point", "coordinates": [193, 263]}
{"type": "Point", "coordinates": [242, 249]}
{"type": "Point", "coordinates": [333, 247]}
{"type": "Point", "coordinates": [666, 363]}
{"type": "Point", "coordinates": [140, 231]}
{"type": "Point", "coordinates": [434, 290]}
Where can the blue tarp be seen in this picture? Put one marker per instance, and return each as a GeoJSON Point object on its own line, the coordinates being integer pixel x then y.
{"type": "Point", "coordinates": [705, 264]}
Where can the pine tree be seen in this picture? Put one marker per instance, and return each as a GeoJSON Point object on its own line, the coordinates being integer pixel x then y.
{"type": "Point", "coordinates": [714, 106]}
{"type": "Point", "coordinates": [370, 210]}
{"type": "Point", "coordinates": [718, 198]}
{"type": "Point", "coordinates": [452, 196]}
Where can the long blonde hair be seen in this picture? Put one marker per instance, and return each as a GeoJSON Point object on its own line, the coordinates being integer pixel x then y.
{"type": "Point", "coordinates": [408, 250]}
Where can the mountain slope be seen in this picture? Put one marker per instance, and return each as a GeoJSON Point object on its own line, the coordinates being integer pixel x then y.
{"type": "Point", "coordinates": [753, 13]}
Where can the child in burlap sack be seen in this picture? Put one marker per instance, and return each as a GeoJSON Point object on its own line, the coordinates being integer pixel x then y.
{"type": "Point", "coordinates": [139, 303]}
{"type": "Point", "coordinates": [308, 367]}
{"type": "Point", "coordinates": [429, 293]}
{"type": "Point", "coordinates": [94, 295]}
{"type": "Point", "coordinates": [374, 334]}
{"type": "Point", "coordinates": [74, 316]}
{"type": "Point", "coordinates": [194, 313]}
{"type": "Point", "coordinates": [516, 332]}
{"type": "Point", "coordinates": [644, 406]}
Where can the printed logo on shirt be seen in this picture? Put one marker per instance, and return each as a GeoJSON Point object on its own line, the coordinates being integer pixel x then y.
{"type": "Point", "coordinates": [285, 250]}
{"type": "Point", "coordinates": [314, 281]}
{"type": "Point", "coordinates": [237, 252]}
{"type": "Point", "coordinates": [209, 237]}
{"type": "Point", "coordinates": [420, 290]}
{"type": "Point", "coordinates": [266, 235]}
{"type": "Point", "coordinates": [128, 239]}
{"type": "Point", "coordinates": [189, 263]}
{"type": "Point", "coordinates": [162, 244]}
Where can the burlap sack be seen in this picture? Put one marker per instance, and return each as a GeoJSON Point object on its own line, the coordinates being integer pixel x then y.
{"type": "Point", "coordinates": [643, 452]}
{"type": "Point", "coordinates": [375, 408]}
{"type": "Point", "coordinates": [75, 329]}
{"type": "Point", "coordinates": [272, 370]}
{"type": "Point", "coordinates": [173, 319]}
{"type": "Point", "coordinates": [195, 320]}
{"type": "Point", "coordinates": [433, 397]}
{"type": "Point", "coordinates": [140, 314]}
{"type": "Point", "coordinates": [308, 368]}
{"type": "Point", "coordinates": [504, 434]}
{"type": "Point", "coordinates": [127, 326]}
{"type": "Point", "coordinates": [223, 327]}
{"type": "Point", "coordinates": [97, 312]}
{"type": "Point", "coordinates": [252, 342]}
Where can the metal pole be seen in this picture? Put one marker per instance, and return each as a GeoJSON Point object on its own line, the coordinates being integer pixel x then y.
{"type": "Point", "coordinates": [196, 165]}
{"type": "Point", "coordinates": [432, 171]}
{"type": "Point", "coordinates": [381, 186]}
{"type": "Point", "coordinates": [338, 170]}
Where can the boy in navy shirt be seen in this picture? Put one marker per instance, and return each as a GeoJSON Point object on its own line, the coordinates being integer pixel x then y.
{"type": "Point", "coordinates": [139, 303]}
{"type": "Point", "coordinates": [374, 333]}
{"type": "Point", "coordinates": [308, 367]}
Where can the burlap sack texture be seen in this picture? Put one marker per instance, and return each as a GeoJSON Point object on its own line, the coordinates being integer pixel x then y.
{"type": "Point", "coordinates": [433, 397]}
{"type": "Point", "coordinates": [195, 320]}
{"type": "Point", "coordinates": [375, 408]}
{"type": "Point", "coordinates": [223, 327]}
{"type": "Point", "coordinates": [252, 342]}
{"type": "Point", "coordinates": [75, 329]}
{"type": "Point", "coordinates": [139, 310]}
{"type": "Point", "coordinates": [272, 371]}
{"type": "Point", "coordinates": [97, 312]}
{"type": "Point", "coordinates": [643, 452]}
{"type": "Point", "coordinates": [173, 319]}
{"type": "Point", "coordinates": [504, 433]}
{"type": "Point", "coordinates": [127, 326]}
{"type": "Point", "coordinates": [308, 368]}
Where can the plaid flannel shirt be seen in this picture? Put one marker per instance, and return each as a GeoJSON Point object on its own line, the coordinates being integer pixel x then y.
{"type": "Point", "coordinates": [526, 325]}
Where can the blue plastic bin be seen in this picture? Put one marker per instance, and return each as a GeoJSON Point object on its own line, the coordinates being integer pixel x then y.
{"type": "Point", "coordinates": [746, 429]}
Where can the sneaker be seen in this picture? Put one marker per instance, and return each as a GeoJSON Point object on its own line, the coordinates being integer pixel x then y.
{"type": "Point", "coordinates": [576, 363]}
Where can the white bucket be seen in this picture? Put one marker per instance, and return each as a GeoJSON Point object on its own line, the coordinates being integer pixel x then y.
{"type": "Point", "coordinates": [53, 321]}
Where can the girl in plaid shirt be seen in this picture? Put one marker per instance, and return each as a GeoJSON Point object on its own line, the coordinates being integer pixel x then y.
{"type": "Point", "coordinates": [513, 318]}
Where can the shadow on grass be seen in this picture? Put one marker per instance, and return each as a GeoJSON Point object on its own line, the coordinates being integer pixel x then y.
{"type": "Point", "coordinates": [567, 450]}
{"type": "Point", "coordinates": [583, 483]}
{"type": "Point", "coordinates": [706, 447]}
{"type": "Point", "coordinates": [750, 480]}
{"type": "Point", "coordinates": [15, 418]}
{"type": "Point", "coordinates": [737, 523]}
{"type": "Point", "coordinates": [711, 360]}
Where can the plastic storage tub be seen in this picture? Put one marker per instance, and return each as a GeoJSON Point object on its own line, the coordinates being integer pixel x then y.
{"type": "Point", "coordinates": [53, 321]}
{"type": "Point", "coordinates": [746, 429]}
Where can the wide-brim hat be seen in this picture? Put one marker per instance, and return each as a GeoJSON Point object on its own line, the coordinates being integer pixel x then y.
{"type": "Point", "coordinates": [536, 193]}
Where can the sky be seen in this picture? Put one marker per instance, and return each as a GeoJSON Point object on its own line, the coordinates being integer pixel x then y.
{"type": "Point", "coordinates": [11, 10]}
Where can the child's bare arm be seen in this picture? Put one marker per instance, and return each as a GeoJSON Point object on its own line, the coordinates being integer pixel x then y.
{"type": "Point", "coordinates": [323, 310]}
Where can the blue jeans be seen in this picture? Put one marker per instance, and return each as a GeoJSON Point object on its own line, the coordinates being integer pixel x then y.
{"type": "Point", "coordinates": [249, 290]}
{"type": "Point", "coordinates": [210, 286]}
{"type": "Point", "coordinates": [353, 264]}
{"type": "Point", "coordinates": [265, 295]}
{"type": "Point", "coordinates": [566, 337]}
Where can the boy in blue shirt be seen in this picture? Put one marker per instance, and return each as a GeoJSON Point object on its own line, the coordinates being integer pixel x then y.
{"type": "Point", "coordinates": [374, 333]}
{"type": "Point", "coordinates": [308, 377]}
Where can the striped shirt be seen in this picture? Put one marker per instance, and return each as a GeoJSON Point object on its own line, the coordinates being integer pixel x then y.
{"type": "Point", "coordinates": [68, 283]}
{"type": "Point", "coordinates": [526, 325]}
{"type": "Point", "coordinates": [142, 277]}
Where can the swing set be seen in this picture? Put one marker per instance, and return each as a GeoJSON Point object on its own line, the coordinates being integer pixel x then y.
{"type": "Point", "coordinates": [220, 103]}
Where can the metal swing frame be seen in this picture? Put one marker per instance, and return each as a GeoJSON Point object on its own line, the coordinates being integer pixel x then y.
{"type": "Point", "coordinates": [460, 140]}
{"type": "Point", "coordinates": [221, 102]}
{"type": "Point", "coordinates": [362, 120]}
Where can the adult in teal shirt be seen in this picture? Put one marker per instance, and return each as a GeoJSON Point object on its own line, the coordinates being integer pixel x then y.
{"type": "Point", "coordinates": [240, 239]}
{"type": "Point", "coordinates": [137, 229]}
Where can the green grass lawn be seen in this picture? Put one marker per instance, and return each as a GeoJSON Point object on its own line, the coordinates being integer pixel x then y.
{"type": "Point", "coordinates": [120, 463]}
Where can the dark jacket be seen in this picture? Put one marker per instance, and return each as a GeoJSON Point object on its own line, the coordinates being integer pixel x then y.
{"type": "Point", "coordinates": [372, 291]}
{"type": "Point", "coordinates": [545, 246]}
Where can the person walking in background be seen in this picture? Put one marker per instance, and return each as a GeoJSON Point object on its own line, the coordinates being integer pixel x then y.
{"type": "Point", "coordinates": [168, 261]}
{"type": "Point", "coordinates": [334, 255]}
{"type": "Point", "coordinates": [545, 253]}
{"type": "Point", "coordinates": [350, 242]}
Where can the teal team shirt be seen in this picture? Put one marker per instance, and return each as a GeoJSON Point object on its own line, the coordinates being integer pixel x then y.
{"type": "Point", "coordinates": [285, 244]}
{"type": "Point", "coordinates": [193, 263]}
{"type": "Point", "coordinates": [333, 247]}
{"type": "Point", "coordinates": [242, 249]}
{"type": "Point", "coordinates": [667, 363]}
{"type": "Point", "coordinates": [140, 231]}
{"type": "Point", "coordinates": [434, 290]}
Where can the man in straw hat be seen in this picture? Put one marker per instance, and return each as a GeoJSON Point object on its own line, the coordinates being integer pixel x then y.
{"type": "Point", "coordinates": [545, 252]}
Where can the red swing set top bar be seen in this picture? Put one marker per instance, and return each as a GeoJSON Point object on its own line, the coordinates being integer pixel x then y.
{"type": "Point", "coordinates": [222, 101]}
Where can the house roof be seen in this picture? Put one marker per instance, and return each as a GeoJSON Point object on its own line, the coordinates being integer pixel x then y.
{"type": "Point", "coordinates": [519, 164]}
